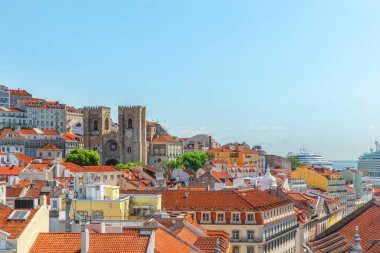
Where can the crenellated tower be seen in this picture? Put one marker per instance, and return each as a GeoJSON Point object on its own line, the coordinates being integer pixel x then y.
{"type": "Point", "coordinates": [132, 133]}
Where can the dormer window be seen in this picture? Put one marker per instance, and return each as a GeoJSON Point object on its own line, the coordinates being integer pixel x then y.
{"type": "Point", "coordinates": [206, 217]}
{"type": "Point", "coordinates": [251, 218]}
{"type": "Point", "coordinates": [220, 218]}
{"type": "Point", "coordinates": [235, 217]}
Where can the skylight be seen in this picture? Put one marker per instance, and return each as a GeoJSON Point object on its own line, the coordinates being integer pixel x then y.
{"type": "Point", "coordinates": [19, 215]}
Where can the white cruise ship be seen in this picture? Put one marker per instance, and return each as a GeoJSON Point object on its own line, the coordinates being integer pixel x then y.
{"type": "Point", "coordinates": [311, 159]}
{"type": "Point", "coordinates": [370, 163]}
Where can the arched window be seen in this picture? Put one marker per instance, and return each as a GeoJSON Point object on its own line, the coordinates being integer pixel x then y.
{"type": "Point", "coordinates": [107, 124]}
{"type": "Point", "coordinates": [95, 125]}
{"type": "Point", "coordinates": [130, 126]}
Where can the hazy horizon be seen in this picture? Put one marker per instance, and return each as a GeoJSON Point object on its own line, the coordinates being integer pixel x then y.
{"type": "Point", "coordinates": [284, 75]}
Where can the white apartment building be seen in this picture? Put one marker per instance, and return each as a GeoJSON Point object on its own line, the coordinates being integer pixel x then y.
{"type": "Point", "coordinates": [5, 96]}
{"type": "Point", "coordinates": [45, 114]}
{"type": "Point", "coordinates": [12, 117]}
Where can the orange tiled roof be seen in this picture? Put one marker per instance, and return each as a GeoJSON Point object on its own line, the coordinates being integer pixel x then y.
{"type": "Point", "coordinates": [220, 175]}
{"type": "Point", "coordinates": [58, 242]}
{"type": "Point", "coordinates": [367, 230]}
{"type": "Point", "coordinates": [27, 131]}
{"type": "Point", "coordinates": [51, 132]}
{"type": "Point", "coordinates": [5, 109]}
{"type": "Point", "coordinates": [14, 227]}
{"type": "Point", "coordinates": [151, 168]}
{"type": "Point", "coordinates": [227, 150]}
{"type": "Point", "coordinates": [33, 193]}
{"type": "Point", "coordinates": [218, 162]}
{"type": "Point", "coordinates": [49, 147]}
{"type": "Point", "coordinates": [71, 137]}
{"type": "Point", "coordinates": [73, 167]}
{"type": "Point", "coordinates": [5, 132]}
{"type": "Point", "coordinates": [10, 170]}
{"type": "Point", "coordinates": [300, 197]}
{"type": "Point", "coordinates": [41, 103]}
{"type": "Point", "coordinates": [38, 166]}
{"type": "Point", "coordinates": [164, 139]}
{"type": "Point", "coordinates": [262, 200]}
{"type": "Point", "coordinates": [168, 242]}
{"type": "Point", "coordinates": [13, 192]}
{"type": "Point", "coordinates": [19, 92]}
{"type": "Point", "coordinates": [186, 234]}
{"type": "Point", "coordinates": [247, 151]}
{"type": "Point", "coordinates": [102, 168]}
{"type": "Point", "coordinates": [23, 158]}
{"type": "Point", "coordinates": [241, 200]}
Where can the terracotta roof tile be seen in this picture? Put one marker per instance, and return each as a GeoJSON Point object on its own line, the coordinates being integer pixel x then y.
{"type": "Point", "coordinates": [101, 168]}
{"type": "Point", "coordinates": [242, 200]}
{"type": "Point", "coordinates": [23, 158]}
{"type": "Point", "coordinates": [33, 193]}
{"type": "Point", "coordinates": [10, 170]}
{"type": "Point", "coordinates": [13, 192]}
{"type": "Point", "coordinates": [5, 135]}
{"type": "Point", "coordinates": [14, 227]}
{"type": "Point", "coordinates": [168, 242]}
{"type": "Point", "coordinates": [49, 147]}
{"type": "Point", "coordinates": [124, 242]}
{"type": "Point", "coordinates": [164, 139]}
{"type": "Point", "coordinates": [19, 92]}
{"type": "Point", "coordinates": [51, 132]}
{"type": "Point", "coordinates": [73, 167]}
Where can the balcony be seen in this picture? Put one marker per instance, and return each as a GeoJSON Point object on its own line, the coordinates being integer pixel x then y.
{"type": "Point", "coordinates": [282, 232]}
{"type": "Point", "coordinates": [247, 240]}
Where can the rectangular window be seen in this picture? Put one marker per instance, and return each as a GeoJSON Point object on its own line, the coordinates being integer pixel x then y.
{"type": "Point", "coordinates": [220, 217]}
{"type": "Point", "coordinates": [235, 249]}
{"type": "Point", "coordinates": [112, 177]}
{"type": "Point", "coordinates": [206, 217]}
{"type": "Point", "coordinates": [97, 215]}
{"type": "Point", "coordinates": [250, 234]}
{"type": "Point", "coordinates": [83, 215]}
{"type": "Point", "coordinates": [251, 217]}
{"type": "Point", "coordinates": [250, 250]}
{"type": "Point", "coordinates": [235, 234]}
{"type": "Point", "coordinates": [54, 204]}
{"type": "Point", "coordinates": [236, 217]}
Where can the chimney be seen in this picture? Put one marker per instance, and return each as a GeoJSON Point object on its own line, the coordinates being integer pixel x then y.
{"type": "Point", "coordinates": [85, 244]}
{"type": "Point", "coordinates": [187, 194]}
{"type": "Point", "coordinates": [43, 200]}
{"type": "Point", "coordinates": [217, 246]}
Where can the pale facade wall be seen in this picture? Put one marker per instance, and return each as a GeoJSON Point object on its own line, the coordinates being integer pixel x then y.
{"type": "Point", "coordinates": [3, 196]}
{"type": "Point", "coordinates": [39, 224]}
{"type": "Point", "coordinates": [112, 210]}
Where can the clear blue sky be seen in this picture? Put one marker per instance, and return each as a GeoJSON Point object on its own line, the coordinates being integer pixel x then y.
{"type": "Point", "coordinates": [284, 74]}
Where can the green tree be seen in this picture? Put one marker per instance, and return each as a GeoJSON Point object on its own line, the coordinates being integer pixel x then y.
{"type": "Point", "coordinates": [192, 160]}
{"type": "Point", "coordinates": [169, 166]}
{"type": "Point", "coordinates": [129, 165]}
{"type": "Point", "coordinates": [295, 162]}
{"type": "Point", "coordinates": [83, 157]}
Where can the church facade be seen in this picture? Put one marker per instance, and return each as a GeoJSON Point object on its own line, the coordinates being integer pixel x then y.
{"type": "Point", "coordinates": [125, 144]}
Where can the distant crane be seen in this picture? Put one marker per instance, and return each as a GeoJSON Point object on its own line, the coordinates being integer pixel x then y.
{"type": "Point", "coordinates": [377, 145]}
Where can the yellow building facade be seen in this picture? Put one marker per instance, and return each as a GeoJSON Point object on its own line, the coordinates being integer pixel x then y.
{"type": "Point", "coordinates": [311, 177]}
{"type": "Point", "coordinates": [104, 202]}
{"type": "Point", "coordinates": [241, 156]}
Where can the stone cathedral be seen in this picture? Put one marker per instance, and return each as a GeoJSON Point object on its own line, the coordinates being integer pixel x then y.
{"type": "Point", "coordinates": [125, 144]}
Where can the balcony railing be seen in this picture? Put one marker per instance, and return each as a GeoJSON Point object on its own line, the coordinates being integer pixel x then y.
{"type": "Point", "coordinates": [247, 240]}
{"type": "Point", "coordinates": [281, 232]}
